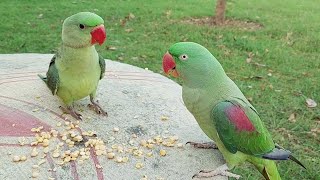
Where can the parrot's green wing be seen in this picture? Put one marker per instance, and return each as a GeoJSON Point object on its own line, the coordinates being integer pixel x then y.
{"type": "Point", "coordinates": [53, 76]}
{"type": "Point", "coordinates": [240, 128]}
{"type": "Point", "coordinates": [102, 64]}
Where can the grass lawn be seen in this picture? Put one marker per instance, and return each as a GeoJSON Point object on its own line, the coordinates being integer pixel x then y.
{"type": "Point", "coordinates": [284, 54]}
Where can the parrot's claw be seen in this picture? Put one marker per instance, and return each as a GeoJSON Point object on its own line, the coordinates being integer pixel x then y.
{"type": "Point", "coordinates": [205, 171]}
{"type": "Point", "coordinates": [76, 115]}
{"type": "Point", "coordinates": [73, 113]}
{"type": "Point", "coordinates": [207, 145]}
{"type": "Point", "coordinates": [97, 108]}
{"type": "Point", "coordinates": [220, 171]}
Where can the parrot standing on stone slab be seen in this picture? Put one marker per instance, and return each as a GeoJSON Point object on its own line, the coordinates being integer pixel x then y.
{"type": "Point", "coordinates": [223, 112]}
{"type": "Point", "coordinates": [75, 70]}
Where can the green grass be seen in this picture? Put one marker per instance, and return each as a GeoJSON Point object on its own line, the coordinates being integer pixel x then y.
{"type": "Point", "coordinates": [288, 45]}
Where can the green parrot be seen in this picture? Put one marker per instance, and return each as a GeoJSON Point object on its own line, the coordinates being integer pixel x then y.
{"type": "Point", "coordinates": [223, 112]}
{"type": "Point", "coordinates": [75, 70]}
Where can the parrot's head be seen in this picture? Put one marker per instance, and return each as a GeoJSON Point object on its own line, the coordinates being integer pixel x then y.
{"type": "Point", "coordinates": [190, 61]}
{"type": "Point", "coordinates": [83, 29]}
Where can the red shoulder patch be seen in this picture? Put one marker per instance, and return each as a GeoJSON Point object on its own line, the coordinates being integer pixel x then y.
{"type": "Point", "coordinates": [239, 118]}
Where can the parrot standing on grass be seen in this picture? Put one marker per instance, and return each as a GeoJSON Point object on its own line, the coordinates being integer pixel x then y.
{"type": "Point", "coordinates": [223, 112]}
{"type": "Point", "coordinates": [75, 70]}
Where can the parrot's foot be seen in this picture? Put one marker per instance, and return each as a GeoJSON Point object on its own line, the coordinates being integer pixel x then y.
{"type": "Point", "coordinates": [207, 145]}
{"type": "Point", "coordinates": [72, 112]}
{"type": "Point", "coordinates": [220, 171]}
{"type": "Point", "coordinates": [97, 108]}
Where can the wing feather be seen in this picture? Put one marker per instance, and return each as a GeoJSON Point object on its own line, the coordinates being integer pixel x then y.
{"type": "Point", "coordinates": [53, 76]}
{"type": "Point", "coordinates": [240, 128]}
{"type": "Point", "coordinates": [102, 64]}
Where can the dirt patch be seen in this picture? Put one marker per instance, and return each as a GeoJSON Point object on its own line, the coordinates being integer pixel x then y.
{"type": "Point", "coordinates": [235, 23]}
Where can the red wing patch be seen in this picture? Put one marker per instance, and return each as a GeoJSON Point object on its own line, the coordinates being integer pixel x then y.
{"type": "Point", "coordinates": [239, 118]}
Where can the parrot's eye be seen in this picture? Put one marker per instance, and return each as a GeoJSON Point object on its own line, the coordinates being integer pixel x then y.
{"type": "Point", "coordinates": [183, 57]}
{"type": "Point", "coordinates": [81, 26]}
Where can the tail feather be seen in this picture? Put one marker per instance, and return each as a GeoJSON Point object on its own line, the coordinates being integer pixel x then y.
{"type": "Point", "coordinates": [44, 79]}
{"type": "Point", "coordinates": [265, 174]}
{"type": "Point", "coordinates": [296, 161]}
{"type": "Point", "coordinates": [279, 153]}
{"type": "Point", "coordinates": [267, 168]}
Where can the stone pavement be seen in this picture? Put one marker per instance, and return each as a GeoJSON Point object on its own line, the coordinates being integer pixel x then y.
{"type": "Point", "coordinates": [138, 102]}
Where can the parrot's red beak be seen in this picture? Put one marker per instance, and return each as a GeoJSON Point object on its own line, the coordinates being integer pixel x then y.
{"type": "Point", "coordinates": [169, 66]}
{"type": "Point", "coordinates": [98, 35]}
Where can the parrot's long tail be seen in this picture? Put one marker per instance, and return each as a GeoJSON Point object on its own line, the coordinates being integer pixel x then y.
{"type": "Point", "coordinates": [270, 171]}
{"type": "Point", "coordinates": [279, 153]}
{"type": "Point", "coordinates": [267, 168]}
{"type": "Point", "coordinates": [44, 79]}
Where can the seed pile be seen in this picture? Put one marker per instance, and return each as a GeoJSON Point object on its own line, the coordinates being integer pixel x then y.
{"type": "Point", "coordinates": [72, 144]}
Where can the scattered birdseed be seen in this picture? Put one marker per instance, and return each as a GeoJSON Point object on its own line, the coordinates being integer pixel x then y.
{"type": "Point", "coordinates": [110, 155]}
{"type": "Point", "coordinates": [60, 162]}
{"type": "Point", "coordinates": [35, 110]}
{"type": "Point", "coordinates": [35, 166]}
{"type": "Point", "coordinates": [149, 154]}
{"type": "Point", "coordinates": [151, 141]}
{"type": "Point", "coordinates": [118, 159]}
{"type": "Point", "coordinates": [114, 146]}
{"type": "Point", "coordinates": [99, 152]}
{"type": "Point", "coordinates": [45, 143]}
{"type": "Point", "coordinates": [144, 177]}
{"type": "Point", "coordinates": [163, 152]}
{"type": "Point", "coordinates": [131, 142]}
{"type": "Point", "coordinates": [35, 174]}
{"type": "Point", "coordinates": [71, 136]}
{"type": "Point", "coordinates": [150, 146]}
{"type": "Point", "coordinates": [116, 129]}
{"type": "Point", "coordinates": [125, 159]}
{"type": "Point", "coordinates": [21, 141]}
{"type": "Point", "coordinates": [23, 158]}
{"type": "Point", "coordinates": [41, 162]}
{"type": "Point", "coordinates": [67, 159]}
{"type": "Point", "coordinates": [34, 152]}
{"type": "Point", "coordinates": [55, 154]}
{"type": "Point", "coordinates": [46, 150]}
{"type": "Point", "coordinates": [74, 155]}
{"type": "Point", "coordinates": [164, 118]}
{"type": "Point", "coordinates": [143, 143]}
{"type": "Point", "coordinates": [43, 156]}
{"type": "Point", "coordinates": [16, 159]}
{"type": "Point", "coordinates": [139, 165]}
{"type": "Point", "coordinates": [64, 138]}
{"type": "Point", "coordinates": [34, 143]}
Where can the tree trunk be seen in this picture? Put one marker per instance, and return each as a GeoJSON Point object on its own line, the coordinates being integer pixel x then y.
{"type": "Point", "coordinates": [220, 12]}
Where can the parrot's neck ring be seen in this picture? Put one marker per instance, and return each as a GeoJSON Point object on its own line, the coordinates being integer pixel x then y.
{"type": "Point", "coordinates": [75, 46]}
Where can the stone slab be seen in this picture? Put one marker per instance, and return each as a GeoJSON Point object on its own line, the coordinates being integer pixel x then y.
{"type": "Point", "coordinates": [135, 100]}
